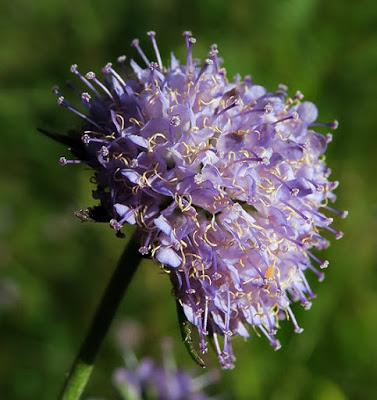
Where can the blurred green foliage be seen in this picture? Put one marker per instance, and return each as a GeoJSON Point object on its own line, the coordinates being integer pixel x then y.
{"type": "Point", "coordinates": [327, 49]}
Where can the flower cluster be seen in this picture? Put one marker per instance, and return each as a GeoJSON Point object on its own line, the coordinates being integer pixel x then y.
{"type": "Point", "coordinates": [225, 180]}
{"type": "Point", "coordinates": [145, 378]}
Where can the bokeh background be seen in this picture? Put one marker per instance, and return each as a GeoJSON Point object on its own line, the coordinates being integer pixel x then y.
{"type": "Point", "coordinates": [54, 268]}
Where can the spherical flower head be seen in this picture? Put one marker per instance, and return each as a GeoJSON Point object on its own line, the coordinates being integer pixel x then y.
{"type": "Point", "coordinates": [226, 181]}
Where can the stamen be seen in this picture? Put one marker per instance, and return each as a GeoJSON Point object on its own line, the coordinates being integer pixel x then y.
{"type": "Point", "coordinates": [217, 345]}
{"type": "Point", "coordinates": [63, 161]}
{"type": "Point", "coordinates": [87, 139]}
{"type": "Point", "coordinates": [320, 275]}
{"type": "Point", "coordinates": [306, 283]}
{"type": "Point", "coordinates": [332, 125]}
{"type": "Point", "coordinates": [298, 329]}
{"type": "Point", "coordinates": [213, 56]}
{"type": "Point", "coordinates": [189, 43]}
{"type": "Point", "coordinates": [64, 103]}
{"type": "Point", "coordinates": [190, 290]}
{"type": "Point", "coordinates": [294, 116]}
{"type": "Point", "coordinates": [207, 62]}
{"type": "Point", "coordinates": [75, 71]}
{"type": "Point", "coordinates": [92, 76]}
{"type": "Point", "coordinates": [322, 264]}
{"type": "Point", "coordinates": [341, 214]}
{"type": "Point", "coordinates": [273, 341]}
{"type": "Point", "coordinates": [108, 69]}
{"type": "Point", "coordinates": [296, 210]}
{"type": "Point", "coordinates": [115, 225]}
{"type": "Point", "coordinates": [152, 36]}
{"type": "Point", "coordinates": [205, 320]}
{"type": "Point", "coordinates": [234, 104]}
{"type": "Point", "coordinates": [136, 45]}
{"type": "Point", "coordinates": [338, 234]}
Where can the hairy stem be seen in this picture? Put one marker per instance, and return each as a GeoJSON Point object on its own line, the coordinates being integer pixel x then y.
{"type": "Point", "coordinates": [82, 367]}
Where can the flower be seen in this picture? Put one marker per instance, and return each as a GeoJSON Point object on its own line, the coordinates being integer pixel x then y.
{"type": "Point", "coordinates": [163, 381]}
{"type": "Point", "coordinates": [226, 181]}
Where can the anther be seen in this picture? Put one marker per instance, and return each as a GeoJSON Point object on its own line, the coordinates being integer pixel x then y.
{"type": "Point", "coordinates": [104, 151]}
{"type": "Point", "coordinates": [143, 250]}
{"type": "Point", "coordinates": [115, 224]}
{"type": "Point", "coordinates": [298, 96]}
{"type": "Point", "coordinates": [122, 59]}
{"type": "Point", "coordinates": [276, 345]}
{"type": "Point", "coordinates": [175, 120]}
{"type": "Point", "coordinates": [90, 75]}
{"type": "Point", "coordinates": [216, 276]}
{"type": "Point", "coordinates": [85, 138]}
{"type": "Point", "coordinates": [73, 68]}
{"type": "Point", "coordinates": [334, 125]}
{"type": "Point", "coordinates": [85, 97]}
{"type": "Point", "coordinates": [55, 90]}
{"type": "Point", "coordinates": [61, 101]}
{"type": "Point", "coordinates": [153, 66]}
{"type": "Point", "coordinates": [329, 138]}
{"type": "Point", "coordinates": [268, 108]}
{"type": "Point", "coordinates": [107, 68]}
{"type": "Point", "coordinates": [306, 304]}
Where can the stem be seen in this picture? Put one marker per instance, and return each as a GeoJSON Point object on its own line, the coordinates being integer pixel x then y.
{"type": "Point", "coordinates": [82, 367]}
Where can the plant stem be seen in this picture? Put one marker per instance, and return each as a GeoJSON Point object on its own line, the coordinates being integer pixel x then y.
{"type": "Point", "coordinates": [82, 367]}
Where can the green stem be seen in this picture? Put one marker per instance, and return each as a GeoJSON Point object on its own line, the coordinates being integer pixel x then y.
{"type": "Point", "coordinates": [82, 367]}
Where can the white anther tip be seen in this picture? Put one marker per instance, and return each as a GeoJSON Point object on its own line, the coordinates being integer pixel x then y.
{"type": "Point", "coordinates": [90, 75]}
{"type": "Point", "coordinates": [135, 42]}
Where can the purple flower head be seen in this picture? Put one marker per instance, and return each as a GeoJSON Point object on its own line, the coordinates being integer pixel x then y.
{"type": "Point", "coordinates": [226, 182]}
{"type": "Point", "coordinates": [161, 381]}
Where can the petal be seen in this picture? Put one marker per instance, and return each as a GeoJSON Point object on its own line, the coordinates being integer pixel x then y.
{"type": "Point", "coordinates": [163, 224]}
{"type": "Point", "coordinates": [307, 111]}
{"type": "Point", "coordinates": [168, 257]}
{"type": "Point", "coordinates": [131, 175]}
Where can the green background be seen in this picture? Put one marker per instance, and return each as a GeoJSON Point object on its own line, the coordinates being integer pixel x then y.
{"type": "Point", "coordinates": [327, 49]}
